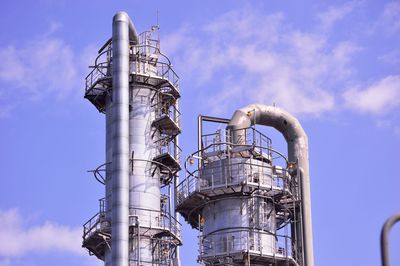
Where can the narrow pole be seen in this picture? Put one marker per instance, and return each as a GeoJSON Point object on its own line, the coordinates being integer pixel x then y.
{"type": "Point", "coordinates": [175, 184]}
{"type": "Point", "coordinates": [199, 132]}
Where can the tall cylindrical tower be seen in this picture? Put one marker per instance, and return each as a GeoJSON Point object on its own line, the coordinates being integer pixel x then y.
{"type": "Point", "coordinates": [133, 83]}
{"type": "Point", "coordinates": [250, 203]}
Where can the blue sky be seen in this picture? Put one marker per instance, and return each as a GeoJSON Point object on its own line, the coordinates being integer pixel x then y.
{"type": "Point", "coordinates": [334, 64]}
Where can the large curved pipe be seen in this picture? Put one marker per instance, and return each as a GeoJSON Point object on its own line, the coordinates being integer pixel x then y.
{"type": "Point", "coordinates": [297, 142]}
{"type": "Point", "coordinates": [385, 238]}
{"type": "Point", "coordinates": [122, 32]}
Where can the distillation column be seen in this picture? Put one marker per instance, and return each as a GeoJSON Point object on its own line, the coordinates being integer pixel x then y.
{"type": "Point", "coordinates": [133, 83]}
{"type": "Point", "coordinates": [250, 203]}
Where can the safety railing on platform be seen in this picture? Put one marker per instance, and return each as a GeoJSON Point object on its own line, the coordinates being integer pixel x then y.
{"type": "Point", "coordinates": [147, 50]}
{"type": "Point", "coordinates": [170, 111]}
{"type": "Point", "coordinates": [167, 146]}
{"type": "Point", "coordinates": [159, 69]}
{"type": "Point", "coordinates": [243, 241]}
{"type": "Point", "coordinates": [98, 223]}
{"type": "Point", "coordinates": [217, 176]}
{"type": "Point", "coordinates": [247, 139]}
{"type": "Point", "coordinates": [152, 219]}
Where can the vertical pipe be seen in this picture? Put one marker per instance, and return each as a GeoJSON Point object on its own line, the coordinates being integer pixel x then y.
{"type": "Point", "coordinates": [108, 181]}
{"type": "Point", "coordinates": [138, 241]}
{"type": "Point", "coordinates": [176, 182]}
{"type": "Point", "coordinates": [176, 216]}
{"type": "Point", "coordinates": [385, 238]}
{"type": "Point", "coordinates": [120, 153]}
{"type": "Point", "coordinates": [170, 205]}
{"type": "Point", "coordinates": [199, 133]}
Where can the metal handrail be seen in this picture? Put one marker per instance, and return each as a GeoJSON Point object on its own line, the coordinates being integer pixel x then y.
{"type": "Point", "coordinates": [166, 146]}
{"type": "Point", "coordinates": [195, 183]}
{"type": "Point", "coordinates": [156, 219]}
{"type": "Point", "coordinates": [229, 144]}
{"type": "Point", "coordinates": [209, 243]}
{"type": "Point", "coordinates": [173, 113]}
{"type": "Point", "coordinates": [97, 175]}
{"type": "Point", "coordinates": [164, 69]}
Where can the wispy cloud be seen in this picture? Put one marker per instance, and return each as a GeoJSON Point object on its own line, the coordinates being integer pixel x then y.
{"type": "Point", "coordinates": [390, 18]}
{"type": "Point", "coordinates": [380, 97]}
{"type": "Point", "coordinates": [263, 54]}
{"type": "Point", "coordinates": [43, 67]}
{"type": "Point", "coordinates": [391, 58]}
{"type": "Point", "coordinates": [40, 67]}
{"type": "Point", "coordinates": [388, 124]}
{"type": "Point", "coordinates": [334, 14]}
{"type": "Point", "coordinates": [18, 240]}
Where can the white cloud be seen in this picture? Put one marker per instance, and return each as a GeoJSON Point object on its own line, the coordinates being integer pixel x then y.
{"type": "Point", "coordinates": [379, 98]}
{"type": "Point", "coordinates": [262, 58]}
{"type": "Point", "coordinates": [17, 239]}
{"type": "Point", "coordinates": [39, 68]}
{"type": "Point", "coordinates": [391, 17]}
{"type": "Point", "coordinates": [334, 14]}
{"type": "Point", "coordinates": [388, 124]}
{"type": "Point", "coordinates": [390, 58]}
{"type": "Point", "coordinates": [46, 67]}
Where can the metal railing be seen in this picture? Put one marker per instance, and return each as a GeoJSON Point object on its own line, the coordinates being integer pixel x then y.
{"type": "Point", "coordinates": [167, 146]}
{"type": "Point", "coordinates": [244, 172]}
{"type": "Point", "coordinates": [170, 111]}
{"type": "Point", "coordinates": [186, 188]}
{"type": "Point", "coordinates": [159, 69]}
{"type": "Point", "coordinates": [248, 139]}
{"type": "Point", "coordinates": [146, 38]}
{"type": "Point", "coordinates": [152, 219]}
{"type": "Point", "coordinates": [141, 56]}
{"type": "Point", "coordinates": [98, 222]}
{"type": "Point", "coordinates": [250, 136]}
{"type": "Point", "coordinates": [245, 240]}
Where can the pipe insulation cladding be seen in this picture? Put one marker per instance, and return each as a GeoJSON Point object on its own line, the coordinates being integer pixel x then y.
{"type": "Point", "coordinates": [121, 31]}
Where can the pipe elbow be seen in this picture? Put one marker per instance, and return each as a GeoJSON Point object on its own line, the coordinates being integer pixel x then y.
{"type": "Point", "coordinates": [272, 116]}
{"type": "Point", "coordinates": [123, 17]}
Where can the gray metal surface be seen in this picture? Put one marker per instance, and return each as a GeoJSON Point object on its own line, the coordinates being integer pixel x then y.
{"type": "Point", "coordinates": [385, 238]}
{"type": "Point", "coordinates": [227, 227]}
{"type": "Point", "coordinates": [144, 187]}
{"type": "Point", "coordinates": [297, 142]}
{"type": "Point", "coordinates": [122, 33]}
